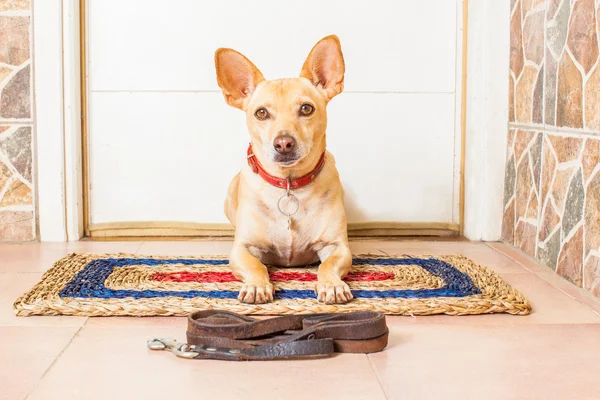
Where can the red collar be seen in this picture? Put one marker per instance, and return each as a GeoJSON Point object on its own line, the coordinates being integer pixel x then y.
{"type": "Point", "coordinates": [283, 182]}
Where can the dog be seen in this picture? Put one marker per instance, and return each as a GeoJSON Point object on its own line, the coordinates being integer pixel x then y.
{"type": "Point", "coordinates": [286, 203]}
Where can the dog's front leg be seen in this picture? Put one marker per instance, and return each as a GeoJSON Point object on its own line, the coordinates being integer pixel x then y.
{"type": "Point", "coordinates": [336, 261]}
{"type": "Point", "coordinates": [256, 286]}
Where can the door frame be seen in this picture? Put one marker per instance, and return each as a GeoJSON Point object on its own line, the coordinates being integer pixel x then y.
{"type": "Point", "coordinates": [60, 77]}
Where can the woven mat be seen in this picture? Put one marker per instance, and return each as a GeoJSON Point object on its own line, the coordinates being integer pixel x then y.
{"type": "Point", "coordinates": [124, 284]}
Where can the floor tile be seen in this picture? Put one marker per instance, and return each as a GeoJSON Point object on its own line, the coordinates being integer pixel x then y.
{"type": "Point", "coordinates": [523, 259]}
{"type": "Point", "coordinates": [90, 246]}
{"type": "Point", "coordinates": [36, 257]}
{"type": "Point", "coordinates": [577, 293]}
{"type": "Point", "coordinates": [13, 285]}
{"type": "Point", "coordinates": [26, 353]}
{"type": "Point", "coordinates": [196, 248]}
{"type": "Point", "coordinates": [548, 275]}
{"type": "Point", "coordinates": [490, 362]}
{"type": "Point", "coordinates": [155, 323]}
{"type": "Point", "coordinates": [551, 353]}
{"type": "Point", "coordinates": [114, 363]}
{"type": "Point", "coordinates": [549, 306]}
{"type": "Point", "coordinates": [32, 257]}
{"type": "Point", "coordinates": [417, 247]}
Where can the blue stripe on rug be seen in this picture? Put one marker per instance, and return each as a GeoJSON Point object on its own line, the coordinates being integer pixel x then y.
{"type": "Point", "coordinates": [89, 282]}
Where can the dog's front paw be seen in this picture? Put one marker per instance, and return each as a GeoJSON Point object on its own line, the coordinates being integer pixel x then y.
{"type": "Point", "coordinates": [256, 293]}
{"type": "Point", "coordinates": [332, 291]}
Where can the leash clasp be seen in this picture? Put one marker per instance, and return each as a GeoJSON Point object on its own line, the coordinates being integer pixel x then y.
{"type": "Point", "coordinates": [180, 349]}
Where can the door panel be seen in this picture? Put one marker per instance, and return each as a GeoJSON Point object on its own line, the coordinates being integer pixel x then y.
{"type": "Point", "coordinates": [163, 145]}
{"type": "Point", "coordinates": [388, 45]}
{"type": "Point", "coordinates": [171, 156]}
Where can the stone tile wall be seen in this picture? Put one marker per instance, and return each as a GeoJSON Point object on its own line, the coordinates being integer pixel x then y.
{"type": "Point", "coordinates": [552, 185]}
{"type": "Point", "coordinates": [17, 208]}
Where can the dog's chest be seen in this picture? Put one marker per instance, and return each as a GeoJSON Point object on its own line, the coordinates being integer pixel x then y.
{"type": "Point", "coordinates": [293, 239]}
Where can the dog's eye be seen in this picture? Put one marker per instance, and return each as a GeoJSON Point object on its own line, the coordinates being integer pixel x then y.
{"type": "Point", "coordinates": [306, 109]}
{"type": "Point", "coordinates": [261, 114]}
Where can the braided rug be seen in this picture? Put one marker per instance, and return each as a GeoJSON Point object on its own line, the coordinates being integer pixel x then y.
{"type": "Point", "coordinates": [133, 285]}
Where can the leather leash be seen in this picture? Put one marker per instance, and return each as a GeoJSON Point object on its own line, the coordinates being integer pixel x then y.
{"type": "Point", "coordinates": [223, 335]}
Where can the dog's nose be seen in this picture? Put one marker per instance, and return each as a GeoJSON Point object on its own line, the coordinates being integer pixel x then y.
{"type": "Point", "coordinates": [284, 144]}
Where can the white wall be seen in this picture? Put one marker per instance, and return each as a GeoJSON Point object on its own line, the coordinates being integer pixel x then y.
{"type": "Point", "coordinates": [487, 117]}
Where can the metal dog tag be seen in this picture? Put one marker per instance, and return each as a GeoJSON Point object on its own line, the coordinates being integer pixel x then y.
{"type": "Point", "coordinates": [288, 205]}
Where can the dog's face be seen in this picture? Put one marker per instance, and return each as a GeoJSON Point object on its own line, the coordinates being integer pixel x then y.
{"type": "Point", "coordinates": [286, 118]}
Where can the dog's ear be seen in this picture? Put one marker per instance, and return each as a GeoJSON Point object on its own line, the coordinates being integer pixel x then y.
{"type": "Point", "coordinates": [324, 66]}
{"type": "Point", "coordinates": [237, 76]}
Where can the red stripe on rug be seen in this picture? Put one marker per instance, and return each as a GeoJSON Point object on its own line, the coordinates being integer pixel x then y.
{"type": "Point", "coordinates": [279, 276]}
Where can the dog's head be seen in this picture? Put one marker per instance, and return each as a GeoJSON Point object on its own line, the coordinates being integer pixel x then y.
{"type": "Point", "coordinates": [286, 118]}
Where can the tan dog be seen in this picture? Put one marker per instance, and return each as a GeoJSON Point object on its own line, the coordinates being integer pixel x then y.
{"type": "Point", "coordinates": [287, 119]}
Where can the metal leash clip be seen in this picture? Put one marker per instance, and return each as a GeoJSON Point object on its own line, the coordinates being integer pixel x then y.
{"type": "Point", "coordinates": [180, 349]}
{"type": "Point", "coordinates": [288, 204]}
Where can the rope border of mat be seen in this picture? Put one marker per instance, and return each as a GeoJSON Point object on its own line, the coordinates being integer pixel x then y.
{"type": "Point", "coordinates": [496, 296]}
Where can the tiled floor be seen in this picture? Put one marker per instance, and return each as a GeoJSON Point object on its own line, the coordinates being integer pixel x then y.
{"type": "Point", "coordinates": [551, 354]}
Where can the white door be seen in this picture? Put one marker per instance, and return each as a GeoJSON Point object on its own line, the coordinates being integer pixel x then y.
{"type": "Point", "coordinates": [163, 145]}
